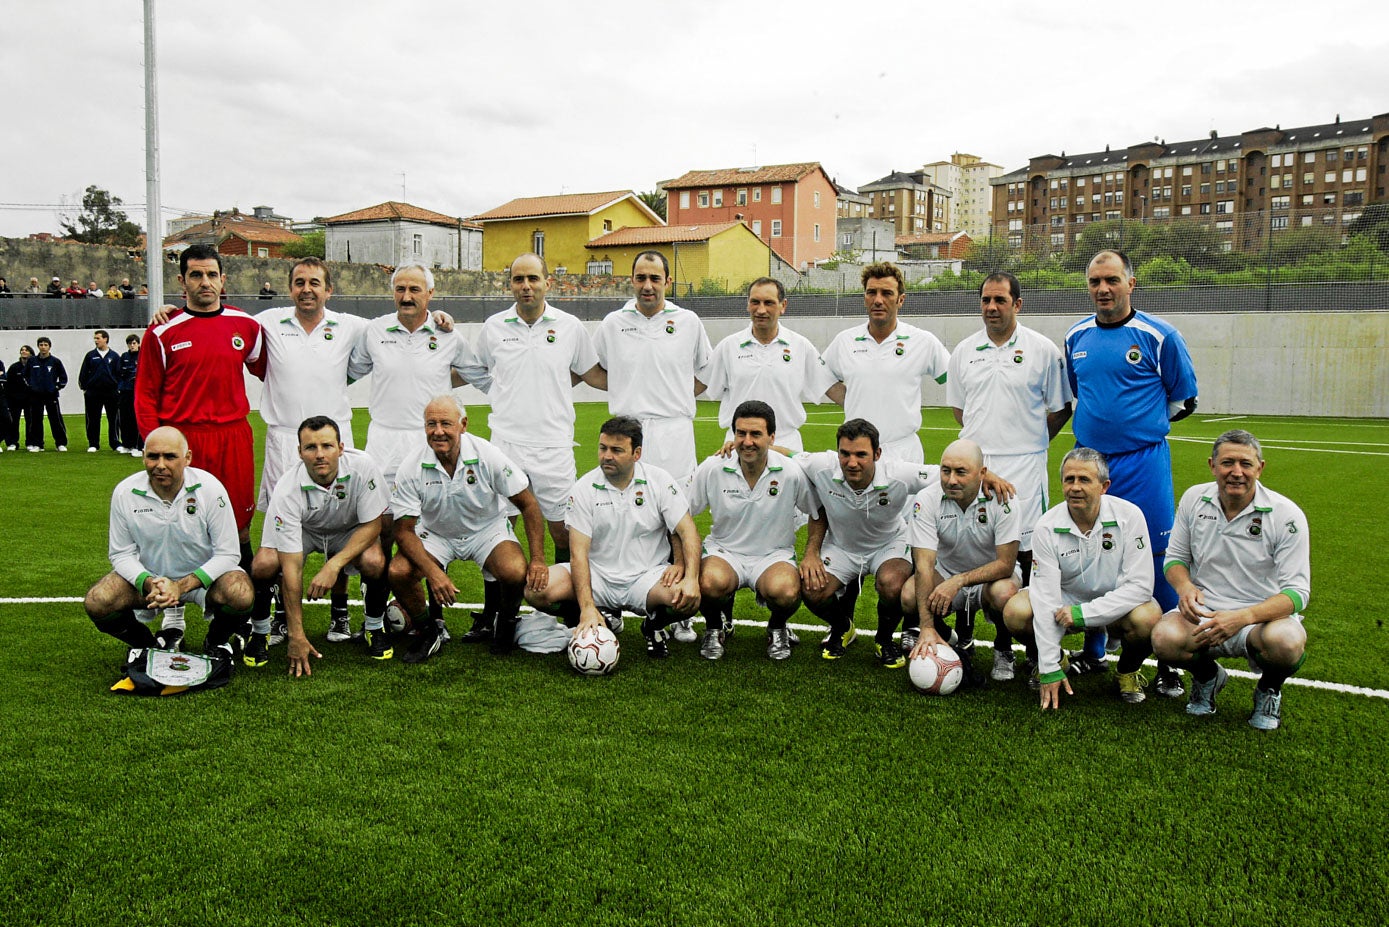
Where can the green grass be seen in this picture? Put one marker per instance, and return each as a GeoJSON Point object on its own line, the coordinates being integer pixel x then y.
{"type": "Point", "coordinates": [476, 790]}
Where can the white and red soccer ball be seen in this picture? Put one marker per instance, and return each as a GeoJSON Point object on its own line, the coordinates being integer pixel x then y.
{"type": "Point", "coordinates": [594, 653]}
{"type": "Point", "coordinates": [938, 673]}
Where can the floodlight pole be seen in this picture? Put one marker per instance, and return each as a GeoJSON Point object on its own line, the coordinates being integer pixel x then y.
{"type": "Point", "coordinates": [154, 240]}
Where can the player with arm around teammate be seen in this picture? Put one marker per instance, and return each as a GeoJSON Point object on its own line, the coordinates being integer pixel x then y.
{"type": "Point", "coordinates": [1092, 568]}
{"type": "Point", "coordinates": [173, 539]}
{"type": "Point", "coordinates": [964, 553]}
{"type": "Point", "coordinates": [447, 506]}
{"type": "Point", "coordinates": [623, 517]}
{"type": "Point", "coordinates": [752, 540]}
{"type": "Point", "coordinates": [332, 504]}
{"type": "Point", "coordinates": [1240, 561]}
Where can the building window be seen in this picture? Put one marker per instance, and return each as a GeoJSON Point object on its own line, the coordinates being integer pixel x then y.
{"type": "Point", "coordinates": [776, 223]}
{"type": "Point", "coordinates": [757, 194]}
{"type": "Point", "coordinates": [1205, 209]}
{"type": "Point", "coordinates": [741, 197]}
{"type": "Point", "coordinates": [599, 268]}
{"type": "Point", "coordinates": [684, 199]}
{"type": "Point", "coordinates": [703, 199]}
{"type": "Point", "coordinates": [815, 199]}
{"type": "Point", "coordinates": [538, 243]}
{"type": "Point", "coordinates": [1278, 222]}
{"type": "Point", "coordinates": [1162, 212]}
{"type": "Point", "coordinates": [1332, 156]}
{"type": "Point", "coordinates": [757, 227]}
{"type": "Point", "coordinates": [1360, 174]}
{"type": "Point", "coordinates": [1329, 177]}
{"type": "Point", "coordinates": [1186, 189]}
{"type": "Point", "coordinates": [817, 228]}
{"type": "Point", "coordinates": [1205, 189]}
{"type": "Point", "coordinates": [1355, 198]}
{"type": "Point", "coordinates": [417, 244]}
{"type": "Point", "coordinates": [1186, 171]}
{"type": "Point", "coordinates": [1280, 202]}
{"type": "Point", "coordinates": [1308, 177]}
{"type": "Point", "coordinates": [263, 252]}
{"type": "Point", "coordinates": [1275, 181]}
{"type": "Point", "coordinates": [1058, 240]}
{"type": "Point", "coordinates": [1225, 206]}
{"type": "Point", "coordinates": [1309, 158]}
{"type": "Point", "coordinates": [1186, 210]}
{"type": "Point", "coordinates": [776, 196]}
{"type": "Point", "coordinates": [1328, 199]}
{"type": "Point", "coordinates": [847, 239]}
{"type": "Point", "coordinates": [718, 198]}
{"type": "Point", "coordinates": [1307, 199]}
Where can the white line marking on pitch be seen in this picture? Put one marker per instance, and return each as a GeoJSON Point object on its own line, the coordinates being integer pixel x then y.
{"type": "Point", "coordinates": [1230, 418]}
{"type": "Point", "coordinates": [1287, 447]}
{"type": "Point", "coordinates": [819, 629]}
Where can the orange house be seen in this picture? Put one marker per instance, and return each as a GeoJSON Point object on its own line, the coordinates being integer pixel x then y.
{"type": "Point", "coordinates": [791, 207]}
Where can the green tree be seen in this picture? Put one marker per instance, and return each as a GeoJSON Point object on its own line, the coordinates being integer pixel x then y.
{"type": "Point", "coordinates": [313, 244]}
{"type": "Point", "coordinates": [1373, 222]}
{"type": "Point", "coordinates": [101, 222]}
{"type": "Point", "coordinates": [656, 201]}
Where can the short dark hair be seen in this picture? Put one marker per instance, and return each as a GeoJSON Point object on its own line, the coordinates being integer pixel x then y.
{"type": "Point", "coordinates": [198, 253]}
{"type": "Point", "coordinates": [103, 333]}
{"type": "Point", "coordinates": [883, 270]}
{"type": "Point", "coordinates": [654, 255]}
{"type": "Point", "coordinates": [314, 262]}
{"type": "Point", "coordinates": [318, 423]}
{"type": "Point", "coordinates": [856, 428]}
{"type": "Point", "coordinates": [773, 281]}
{"type": "Point", "coordinates": [45, 340]}
{"type": "Point", "coordinates": [1002, 276]}
{"type": "Point", "coordinates": [622, 426]}
{"type": "Point", "coordinates": [1123, 259]}
{"type": "Point", "coordinates": [756, 408]}
{"type": "Point", "coordinates": [132, 339]}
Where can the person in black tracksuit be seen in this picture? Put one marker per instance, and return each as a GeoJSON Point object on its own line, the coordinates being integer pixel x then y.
{"type": "Point", "coordinates": [17, 395]}
{"type": "Point", "coordinates": [98, 378]}
{"type": "Point", "coordinates": [47, 377]}
{"type": "Point", "coordinates": [125, 387]}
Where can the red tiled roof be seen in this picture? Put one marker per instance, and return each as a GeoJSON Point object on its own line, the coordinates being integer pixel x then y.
{"type": "Point", "coordinates": [565, 204]}
{"type": "Point", "coordinates": [245, 227]}
{"type": "Point", "coordinates": [391, 210]}
{"type": "Point", "coordinates": [735, 176]}
{"type": "Point", "coordinates": [659, 235]}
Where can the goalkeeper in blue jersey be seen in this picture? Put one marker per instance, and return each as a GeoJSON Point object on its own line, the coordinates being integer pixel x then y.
{"type": "Point", "coordinates": [1132, 376]}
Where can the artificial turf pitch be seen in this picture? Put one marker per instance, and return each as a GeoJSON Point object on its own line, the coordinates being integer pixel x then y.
{"type": "Point", "coordinates": [473, 789]}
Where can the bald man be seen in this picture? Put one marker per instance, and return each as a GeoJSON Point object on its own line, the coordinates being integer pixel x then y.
{"type": "Point", "coordinates": [173, 539]}
{"type": "Point", "coordinates": [965, 555]}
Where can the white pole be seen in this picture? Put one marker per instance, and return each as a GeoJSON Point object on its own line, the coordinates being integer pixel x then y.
{"type": "Point", "coordinates": [154, 238]}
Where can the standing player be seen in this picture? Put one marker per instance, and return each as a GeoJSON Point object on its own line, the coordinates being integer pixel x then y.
{"type": "Point", "coordinates": [46, 378]}
{"type": "Point", "coordinates": [623, 517]}
{"type": "Point", "coordinates": [752, 540]}
{"type": "Point", "coordinates": [125, 393]}
{"type": "Point", "coordinates": [173, 539]}
{"type": "Point", "coordinates": [655, 354]}
{"type": "Point", "coordinates": [1092, 569]}
{"type": "Point", "coordinates": [190, 377]}
{"type": "Point", "coordinates": [533, 354]}
{"type": "Point", "coordinates": [1131, 375]}
{"type": "Point", "coordinates": [99, 379]}
{"type": "Point", "coordinates": [884, 363]}
{"type": "Point", "coordinates": [447, 505]}
{"type": "Point", "coordinates": [333, 503]}
{"type": "Point", "coordinates": [1240, 562]}
{"type": "Point", "coordinates": [769, 362]}
{"type": "Point", "coordinates": [964, 553]}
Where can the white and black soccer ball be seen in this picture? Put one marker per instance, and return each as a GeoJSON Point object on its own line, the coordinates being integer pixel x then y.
{"type": "Point", "coordinates": [938, 673]}
{"type": "Point", "coordinates": [396, 619]}
{"type": "Point", "coordinates": [594, 653]}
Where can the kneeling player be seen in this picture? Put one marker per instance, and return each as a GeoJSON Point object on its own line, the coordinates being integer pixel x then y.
{"type": "Point", "coordinates": [332, 504]}
{"type": "Point", "coordinates": [965, 553]}
{"type": "Point", "coordinates": [173, 539]}
{"type": "Point", "coordinates": [752, 540]}
{"type": "Point", "coordinates": [624, 517]}
{"type": "Point", "coordinates": [1240, 560]}
{"type": "Point", "coordinates": [1092, 567]}
{"type": "Point", "coordinates": [447, 507]}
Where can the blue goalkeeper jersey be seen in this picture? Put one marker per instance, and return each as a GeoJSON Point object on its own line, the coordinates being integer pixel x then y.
{"type": "Point", "coordinates": [1123, 377]}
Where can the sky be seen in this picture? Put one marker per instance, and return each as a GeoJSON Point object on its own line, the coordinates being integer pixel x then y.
{"type": "Point", "coordinates": [318, 108]}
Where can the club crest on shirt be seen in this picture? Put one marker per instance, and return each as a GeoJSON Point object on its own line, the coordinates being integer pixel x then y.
{"type": "Point", "coordinates": [916, 508]}
{"type": "Point", "coordinates": [1017, 357]}
{"type": "Point", "coordinates": [1256, 526]}
{"type": "Point", "coordinates": [786, 355]}
{"type": "Point", "coordinates": [772, 488]}
{"type": "Point", "coordinates": [340, 491]}
{"type": "Point", "coordinates": [1133, 355]}
{"type": "Point", "coordinates": [639, 500]}
{"type": "Point", "coordinates": [470, 476]}
{"type": "Point", "coordinates": [192, 507]}
{"type": "Point", "coordinates": [899, 350]}
{"type": "Point", "coordinates": [550, 336]}
{"type": "Point", "coordinates": [1107, 540]}
{"type": "Point", "coordinates": [982, 515]}
{"type": "Point", "coordinates": [882, 498]}
{"type": "Point", "coordinates": [238, 342]}
{"type": "Point", "coordinates": [328, 336]}
{"type": "Point", "coordinates": [433, 343]}
{"type": "Point", "coordinates": [670, 328]}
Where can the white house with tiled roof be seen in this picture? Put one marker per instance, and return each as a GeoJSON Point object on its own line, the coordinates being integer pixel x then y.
{"type": "Point", "coordinates": [393, 233]}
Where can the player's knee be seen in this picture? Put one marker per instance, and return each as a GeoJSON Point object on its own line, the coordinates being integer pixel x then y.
{"type": "Point", "coordinates": [1017, 613]}
{"type": "Point", "coordinates": [371, 563]}
{"type": "Point", "coordinates": [1283, 642]}
{"type": "Point", "coordinates": [97, 604]}
{"type": "Point", "coordinates": [401, 572]}
{"type": "Point", "coordinates": [716, 580]}
{"type": "Point", "coordinates": [265, 566]}
{"type": "Point", "coordinates": [233, 591]}
{"type": "Point", "coordinates": [999, 594]}
{"type": "Point", "coordinates": [1170, 637]}
{"type": "Point", "coordinates": [1142, 620]}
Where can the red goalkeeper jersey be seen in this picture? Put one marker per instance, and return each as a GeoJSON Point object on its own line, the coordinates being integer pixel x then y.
{"type": "Point", "coordinates": [190, 369]}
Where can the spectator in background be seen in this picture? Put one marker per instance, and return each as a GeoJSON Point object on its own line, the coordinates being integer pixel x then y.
{"type": "Point", "coordinates": [47, 377]}
{"type": "Point", "coordinates": [93, 290]}
{"type": "Point", "coordinates": [33, 287]}
{"type": "Point", "coordinates": [144, 290]}
{"type": "Point", "coordinates": [267, 291]}
{"type": "Point", "coordinates": [127, 291]}
{"type": "Point", "coordinates": [55, 288]}
{"type": "Point", "coordinates": [4, 289]}
{"type": "Point", "coordinates": [125, 392]}
{"type": "Point", "coordinates": [75, 290]}
{"type": "Point", "coordinates": [114, 292]}
{"type": "Point", "coordinates": [17, 393]}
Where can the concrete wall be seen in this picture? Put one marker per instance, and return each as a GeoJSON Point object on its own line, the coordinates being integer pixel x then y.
{"type": "Point", "coordinates": [392, 243]}
{"type": "Point", "coordinates": [1267, 363]}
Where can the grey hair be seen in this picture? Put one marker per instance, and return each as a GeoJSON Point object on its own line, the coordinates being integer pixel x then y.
{"type": "Point", "coordinates": [1241, 437]}
{"type": "Point", "coordinates": [452, 400]}
{"type": "Point", "coordinates": [1090, 455]}
{"type": "Point", "coordinates": [415, 265]}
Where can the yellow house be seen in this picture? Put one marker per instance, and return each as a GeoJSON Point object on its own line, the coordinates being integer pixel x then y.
{"type": "Point", "coordinates": [725, 256]}
{"type": "Point", "coordinates": [558, 227]}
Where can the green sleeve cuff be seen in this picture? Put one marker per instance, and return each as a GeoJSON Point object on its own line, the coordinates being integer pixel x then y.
{"type": "Point", "coordinates": [1298, 604]}
{"type": "Point", "coordinates": [203, 578]}
{"type": "Point", "coordinates": [1171, 563]}
{"type": "Point", "coordinates": [1048, 678]}
{"type": "Point", "coordinates": [140, 581]}
{"type": "Point", "coordinates": [1077, 617]}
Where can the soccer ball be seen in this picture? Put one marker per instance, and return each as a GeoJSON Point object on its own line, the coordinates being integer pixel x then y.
{"type": "Point", "coordinates": [938, 673]}
{"type": "Point", "coordinates": [396, 619]}
{"type": "Point", "coordinates": [594, 653]}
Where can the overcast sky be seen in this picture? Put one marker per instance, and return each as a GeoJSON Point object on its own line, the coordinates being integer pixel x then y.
{"type": "Point", "coordinates": [317, 108]}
